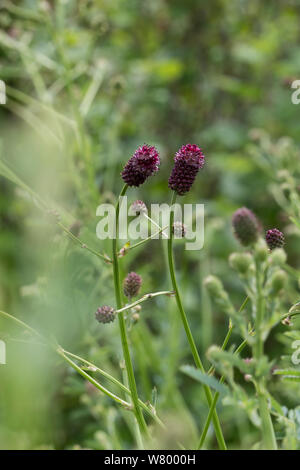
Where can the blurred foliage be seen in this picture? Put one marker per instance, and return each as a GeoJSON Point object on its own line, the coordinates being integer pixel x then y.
{"type": "Point", "coordinates": [87, 82]}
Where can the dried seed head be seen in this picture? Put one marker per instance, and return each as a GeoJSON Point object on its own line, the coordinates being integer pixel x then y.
{"type": "Point", "coordinates": [132, 284]}
{"type": "Point", "coordinates": [274, 238]}
{"type": "Point", "coordinates": [105, 314]}
{"type": "Point", "coordinates": [179, 229]}
{"type": "Point", "coordinates": [188, 161]}
{"type": "Point", "coordinates": [246, 226]}
{"type": "Point", "coordinates": [144, 162]}
{"type": "Point", "coordinates": [138, 207]}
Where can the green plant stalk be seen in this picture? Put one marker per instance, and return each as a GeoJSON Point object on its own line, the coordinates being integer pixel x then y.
{"type": "Point", "coordinates": [143, 299]}
{"type": "Point", "coordinates": [198, 362]}
{"type": "Point", "coordinates": [217, 394]}
{"type": "Point", "coordinates": [93, 381]}
{"type": "Point", "coordinates": [63, 353]}
{"type": "Point", "coordinates": [128, 363]}
{"type": "Point", "coordinates": [116, 382]}
{"type": "Point", "coordinates": [258, 351]}
{"type": "Point", "coordinates": [212, 370]}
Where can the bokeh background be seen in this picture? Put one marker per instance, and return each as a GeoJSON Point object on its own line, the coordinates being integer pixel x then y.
{"type": "Point", "coordinates": [86, 83]}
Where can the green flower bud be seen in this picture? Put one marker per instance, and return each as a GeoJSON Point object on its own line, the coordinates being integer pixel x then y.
{"type": "Point", "coordinates": [218, 293]}
{"type": "Point", "coordinates": [278, 257]}
{"type": "Point", "coordinates": [278, 281]}
{"type": "Point", "coordinates": [241, 262]}
{"type": "Point", "coordinates": [214, 286]}
{"type": "Point", "coordinates": [261, 251]}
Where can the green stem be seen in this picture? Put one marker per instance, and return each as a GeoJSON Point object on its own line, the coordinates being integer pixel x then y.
{"type": "Point", "coordinates": [258, 352]}
{"type": "Point", "coordinates": [93, 381]}
{"type": "Point", "coordinates": [116, 382]}
{"type": "Point", "coordinates": [198, 362]}
{"type": "Point", "coordinates": [122, 325]}
{"type": "Point", "coordinates": [152, 237]}
{"type": "Point", "coordinates": [82, 244]}
{"type": "Point", "coordinates": [62, 353]}
{"type": "Point", "coordinates": [217, 394]}
{"type": "Point", "coordinates": [267, 425]}
{"type": "Point", "coordinates": [143, 299]}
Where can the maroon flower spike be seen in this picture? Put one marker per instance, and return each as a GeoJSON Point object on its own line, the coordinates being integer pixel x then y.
{"type": "Point", "coordinates": [132, 284]}
{"type": "Point", "coordinates": [144, 162]}
{"type": "Point", "coordinates": [274, 238]}
{"type": "Point", "coordinates": [246, 226]}
{"type": "Point", "coordinates": [188, 161]}
{"type": "Point", "coordinates": [105, 314]}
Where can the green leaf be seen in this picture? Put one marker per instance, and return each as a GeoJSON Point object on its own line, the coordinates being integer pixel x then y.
{"type": "Point", "coordinates": [204, 379]}
{"type": "Point", "coordinates": [216, 355]}
{"type": "Point", "coordinates": [290, 378]}
{"type": "Point", "coordinates": [292, 372]}
{"type": "Point", "coordinates": [295, 308]}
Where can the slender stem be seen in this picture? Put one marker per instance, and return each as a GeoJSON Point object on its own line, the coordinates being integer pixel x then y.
{"type": "Point", "coordinates": [122, 325]}
{"type": "Point", "coordinates": [93, 381]}
{"type": "Point", "coordinates": [116, 382]}
{"type": "Point", "coordinates": [198, 362]}
{"type": "Point", "coordinates": [142, 299]}
{"type": "Point", "coordinates": [147, 239]}
{"type": "Point", "coordinates": [259, 313]}
{"type": "Point", "coordinates": [156, 225]}
{"type": "Point", "coordinates": [217, 394]}
{"type": "Point", "coordinates": [267, 425]}
{"type": "Point", "coordinates": [258, 352]}
{"type": "Point", "coordinates": [63, 353]}
{"type": "Point", "coordinates": [229, 332]}
{"type": "Point", "coordinates": [82, 244]}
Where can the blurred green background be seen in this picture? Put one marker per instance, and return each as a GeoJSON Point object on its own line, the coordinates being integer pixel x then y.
{"type": "Point", "coordinates": [87, 82]}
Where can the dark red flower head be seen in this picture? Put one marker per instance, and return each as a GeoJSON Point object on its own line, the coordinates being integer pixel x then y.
{"type": "Point", "coordinates": [274, 238]}
{"type": "Point", "coordinates": [105, 314]}
{"type": "Point", "coordinates": [188, 161]}
{"type": "Point", "coordinates": [246, 226]}
{"type": "Point", "coordinates": [132, 284]}
{"type": "Point", "coordinates": [144, 162]}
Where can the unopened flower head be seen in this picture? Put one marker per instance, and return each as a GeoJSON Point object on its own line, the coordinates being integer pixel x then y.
{"type": "Point", "coordinates": [144, 162]}
{"type": "Point", "coordinates": [132, 284]}
{"type": "Point", "coordinates": [179, 229]}
{"type": "Point", "coordinates": [105, 314]}
{"type": "Point", "coordinates": [188, 161]}
{"type": "Point", "coordinates": [138, 207]}
{"type": "Point", "coordinates": [75, 228]}
{"type": "Point", "coordinates": [246, 226]}
{"type": "Point", "coordinates": [274, 238]}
